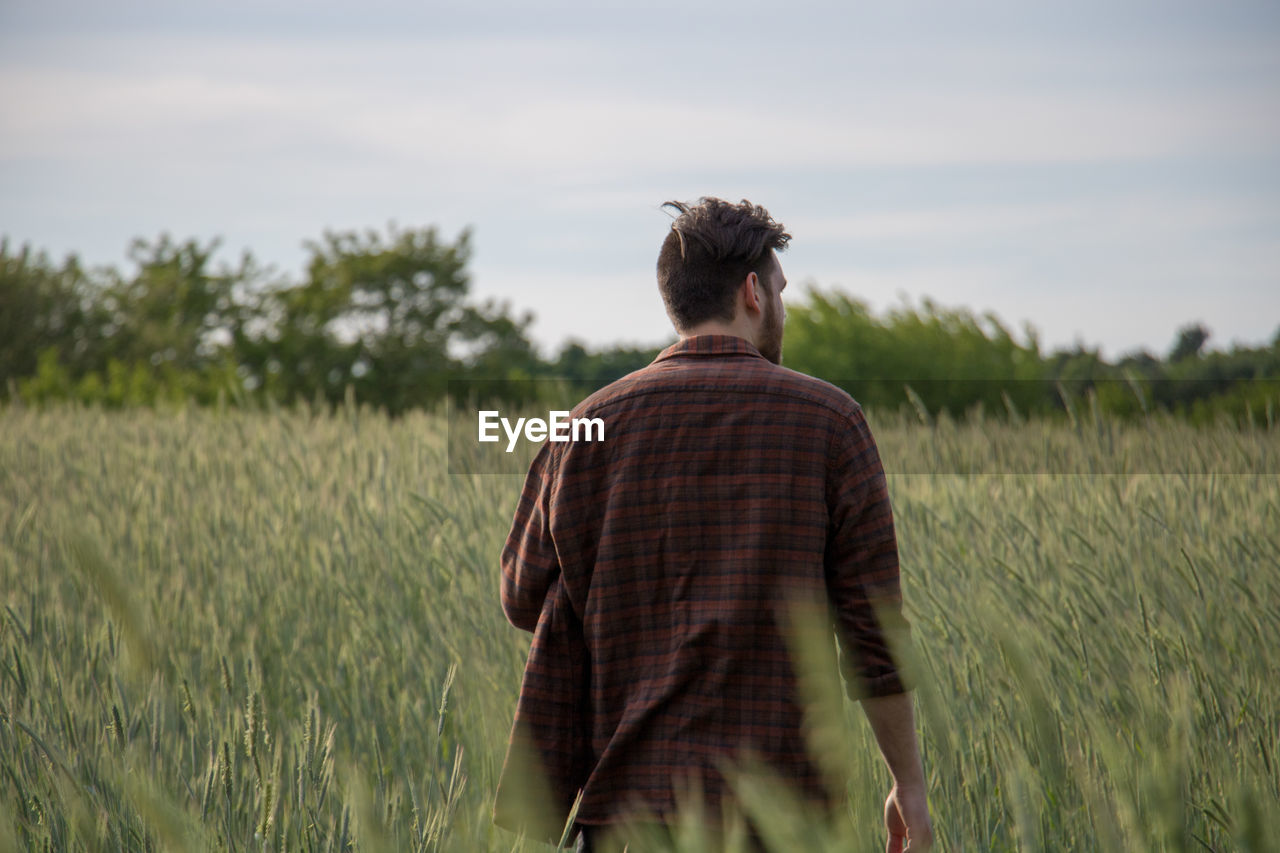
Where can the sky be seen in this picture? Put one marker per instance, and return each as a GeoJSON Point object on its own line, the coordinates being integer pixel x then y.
{"type": "Point", "coordinates": [1101, 171]}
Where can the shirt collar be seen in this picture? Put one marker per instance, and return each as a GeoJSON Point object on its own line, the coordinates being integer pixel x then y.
{"type": "Point", "coordinates": [709, 345]}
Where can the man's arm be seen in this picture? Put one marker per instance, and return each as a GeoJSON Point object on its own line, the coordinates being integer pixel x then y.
{"type": "Point", "coordinates": [863, 581]}
{"type": "Point", "coordinates": [861, 563]}
{"type": "Point", "coordinates": [893, 721]}
{"type": "Point", "coordinates": [529, 561]}
{"type": "Point", "coordinates": [906, 811]}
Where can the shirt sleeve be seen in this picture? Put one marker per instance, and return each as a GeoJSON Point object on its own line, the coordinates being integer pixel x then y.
{"type": "Point", "coordinates": [862, 564]}
{"type": "Point", "coordinates": [529, 561]}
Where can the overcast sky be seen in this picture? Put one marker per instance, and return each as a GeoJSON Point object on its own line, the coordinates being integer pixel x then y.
{"type": "Point", "coordinates": [1105, 171]}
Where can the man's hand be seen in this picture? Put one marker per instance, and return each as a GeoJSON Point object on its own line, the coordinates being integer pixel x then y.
{"type": "Point", "coordinates": [906, 811]}
{"type": "Point", "coordinates": [906, 816]}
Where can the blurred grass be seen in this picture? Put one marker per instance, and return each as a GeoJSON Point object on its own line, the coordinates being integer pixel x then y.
{"type": "Point", "coordinates": [231, 630]}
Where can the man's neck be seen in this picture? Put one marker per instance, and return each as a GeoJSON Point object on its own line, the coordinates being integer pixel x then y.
{"type": "Point", "coordinates": [720, 327]}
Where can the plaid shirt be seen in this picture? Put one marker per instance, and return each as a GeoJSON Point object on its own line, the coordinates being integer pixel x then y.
{"type": "Point", "coordinates": [650, 568]}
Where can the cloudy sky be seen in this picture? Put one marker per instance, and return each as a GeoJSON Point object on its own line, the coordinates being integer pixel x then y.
{"type": "Point", "coordinates": [1102, 170]}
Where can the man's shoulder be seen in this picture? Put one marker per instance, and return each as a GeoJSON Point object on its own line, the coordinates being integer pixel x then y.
{"type": "Point", "coordinates": [756, 379]}
{"type": "Point", "coordinates": [821, 392]}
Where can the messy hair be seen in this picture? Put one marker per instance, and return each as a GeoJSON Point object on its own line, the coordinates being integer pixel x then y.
{"type": "Point", "coordinates": [711, 248]}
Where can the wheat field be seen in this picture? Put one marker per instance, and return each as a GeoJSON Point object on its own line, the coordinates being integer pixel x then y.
{"type": "Point", "coordinates": [279, 630]}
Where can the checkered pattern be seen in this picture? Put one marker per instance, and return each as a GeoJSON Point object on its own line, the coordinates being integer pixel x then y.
{"type": "Point", "coordinates": [651, 568]}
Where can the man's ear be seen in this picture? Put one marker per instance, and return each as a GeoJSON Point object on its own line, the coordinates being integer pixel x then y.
{"type": "Point", "coordinates": [751, 292]}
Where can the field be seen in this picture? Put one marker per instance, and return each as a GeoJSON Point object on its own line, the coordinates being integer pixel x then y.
{"type": "Point", "coordinates": [232, 630]}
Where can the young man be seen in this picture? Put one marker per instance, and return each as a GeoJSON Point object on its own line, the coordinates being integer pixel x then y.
{"type": "Point", "coordinates": [655, 568]}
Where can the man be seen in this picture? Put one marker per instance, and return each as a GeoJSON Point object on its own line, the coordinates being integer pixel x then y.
{"type": "Point", "coordinates": [654, 568]}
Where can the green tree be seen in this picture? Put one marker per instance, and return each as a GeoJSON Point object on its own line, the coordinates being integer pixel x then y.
{"type": "Point", "coordinates": [388, 316]}
{"type": "Point", "coordinates": [590, 369]}
{"type": "Point", "coordinates": [175, 310]}
{"type": "Point", "coordinates": [1190, 342]}
{"type": "Point", "coordinates": [951, 358]}
{"type": "Point", "coordinates": [45, 308]}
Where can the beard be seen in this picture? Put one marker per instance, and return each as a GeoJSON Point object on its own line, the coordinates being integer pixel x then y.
{"type": "Point", "coordinates": [771, 334]}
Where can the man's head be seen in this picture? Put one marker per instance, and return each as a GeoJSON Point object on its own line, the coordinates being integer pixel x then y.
{"type": "Point", "coordinates": [719, 261]}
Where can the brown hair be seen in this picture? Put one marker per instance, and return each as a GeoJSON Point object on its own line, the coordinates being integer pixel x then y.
{"type": "Point", "coordinates": [709, 251]}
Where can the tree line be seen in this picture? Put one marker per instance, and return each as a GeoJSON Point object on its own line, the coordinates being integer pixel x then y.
{"type": "Point", "coordinates": [387, 318]}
